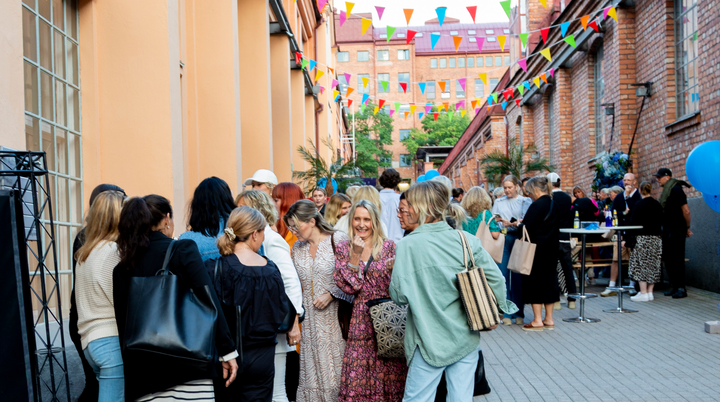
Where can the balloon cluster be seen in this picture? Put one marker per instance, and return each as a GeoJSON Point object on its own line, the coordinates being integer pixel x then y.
{"type": "Point", "coordinates": [703, 171]}
{"type": "Point", "coordinates": [429, 175]}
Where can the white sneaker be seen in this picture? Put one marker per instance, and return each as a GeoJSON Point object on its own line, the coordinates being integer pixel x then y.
{"type": "Point", "coordinates": [608, 292]}
{"type": "Point", "coordinates": [650, 296]}
{"type": "Point", "coordinates": [640, 297]}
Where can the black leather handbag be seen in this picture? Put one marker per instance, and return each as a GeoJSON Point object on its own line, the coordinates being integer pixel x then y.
{"type": "Point", "coordinates": [170, 322]}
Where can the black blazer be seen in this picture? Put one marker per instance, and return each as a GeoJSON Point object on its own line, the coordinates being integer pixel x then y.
{"type": "Point", "coordinates": [566, 215]}
{"type": "Point", "coordinates": [145, 377]}
{"type": "Point", "coordinates": [620, 203]}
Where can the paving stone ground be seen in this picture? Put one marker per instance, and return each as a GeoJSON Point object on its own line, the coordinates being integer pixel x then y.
{"type": "Point", "coordinates": [661, 353]}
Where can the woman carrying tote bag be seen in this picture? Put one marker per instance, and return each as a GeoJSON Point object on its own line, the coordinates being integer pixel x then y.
{"type": "Point", "coordinates": [477, 204]}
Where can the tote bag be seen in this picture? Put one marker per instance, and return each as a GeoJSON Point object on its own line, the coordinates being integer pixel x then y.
{"type": "Point", "coordinates": [477, 297]}
{"type": "Point", "coordinates": [388, 319]}
{"type": "Point", "coordinates": [494, 247]}
{"type": "Point", "coordinates": [522, 255]}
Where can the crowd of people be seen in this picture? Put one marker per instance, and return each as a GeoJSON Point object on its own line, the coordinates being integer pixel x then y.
{"type": "Point", "coordinates": [291, 274]}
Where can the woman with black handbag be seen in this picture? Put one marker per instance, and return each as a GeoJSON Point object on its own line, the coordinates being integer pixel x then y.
{"type": "Point", "coordinates": [147, 250]}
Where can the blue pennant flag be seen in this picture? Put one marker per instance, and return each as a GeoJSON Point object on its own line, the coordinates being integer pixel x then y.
{"type": "Point", "coordinates": [527, 85]}
{"type": "Point", "coordinates": [504, 105]}
{"type": "Point", "coordinates": [312, 64]}
{"type": "Point", "coordinates": [441, 14]}
{"type": "Point", "coordinates": [422, 87]}
{"type": "Point", "coordinates": [434, 38]}
{"type": "Point", "coordinates": [564, 27]}
{"type": "Point", "coordinates": [365, 98]}
{"type": "Point", "coordinates": [420, 115]}
{"type": "Point", "coordinates": [490, 100]}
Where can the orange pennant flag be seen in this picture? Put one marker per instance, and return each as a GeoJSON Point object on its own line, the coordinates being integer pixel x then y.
{"type": "Point", "coordinates": [332, 70]}
{"type": "Point", "coordinates": [584, 21]}
{"type": "Point", "coordinates": [412, 108]}
{"type": "Point", "coordinates": [408, 13]}
{"type": "Point", "coordinates": [473, 103]}
{"type": "Point", "coordinates": [349, 91]}
{"type": "Point", "coordinates": [546, 52]}
{"type": "Point", "coordinates": [543, 77]}
{"type": "Point", "coordinates": [447, 106]}
{"type": "Point", "coordinates": [318, 75]}
{"type": "Point", "coordinates": [536, 80]}
{"type": "Point", "coordinates": [365, 25]}
{"type": "Point", "coordinates": [483, 77]}
{"type": "Point", "coordinates": [348, 7]}
{"type": "Point", "coordinates": [457, 40]}
{"type": "Point", "coordinates": [406, 115]}
{"type": "Point", "coordinates": [501, 40]}
{"type": "Point", "coordinates": [365, 81]}
{"type": "Point", "coordinates": [442, 86]}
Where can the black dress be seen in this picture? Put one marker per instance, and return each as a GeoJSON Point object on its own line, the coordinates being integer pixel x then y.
{"type": "Point", "coordinates": [542, 224]}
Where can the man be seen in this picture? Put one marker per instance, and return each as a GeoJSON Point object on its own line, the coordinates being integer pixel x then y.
{"type": "Point", "coordinates": [457, 195]}
{"type": "Point", "coordinates": [613, 192]}
{"type": "Point", "coordinates": [390, 200]}
{"type": "Point", "coordinates": [564, 203]}
{"type": "Point", "coordinates": [676, 228]}
{"type": "Point", "coordinates": [623, 204]}
{"type": "Point", "coordinates": [604, 198]}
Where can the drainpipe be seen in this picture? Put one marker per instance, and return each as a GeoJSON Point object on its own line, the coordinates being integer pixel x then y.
{"type": "Point", "coordinates": [317, 109]}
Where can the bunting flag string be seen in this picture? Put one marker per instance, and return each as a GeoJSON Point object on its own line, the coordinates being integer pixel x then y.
{"type": "Point", "coordinates": [472, 10]}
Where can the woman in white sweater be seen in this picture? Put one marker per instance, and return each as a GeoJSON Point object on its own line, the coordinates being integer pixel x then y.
{"type": "Point", "coordinates": [94, 295]}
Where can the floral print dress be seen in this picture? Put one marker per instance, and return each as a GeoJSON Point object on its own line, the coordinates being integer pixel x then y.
{"type": "Point", "coordinates": [365, 376]}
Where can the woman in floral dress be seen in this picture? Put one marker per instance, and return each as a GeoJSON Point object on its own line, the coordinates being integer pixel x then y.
{"type": "Point", "coordinates": [322, 346]}
{"type": "Point", "coordinates": [363, 269]}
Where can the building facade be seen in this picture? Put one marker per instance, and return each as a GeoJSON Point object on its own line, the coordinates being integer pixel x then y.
{"type": "Point", "coordinates": [396, 61]}
{"type": "Point", "coordinates": [646, 81]}
{"type": "Point", "coordinates": [157, 96]}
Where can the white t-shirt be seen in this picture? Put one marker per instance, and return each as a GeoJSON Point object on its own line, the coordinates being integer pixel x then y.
{"type": "Point", "coordinates": [390, 203]}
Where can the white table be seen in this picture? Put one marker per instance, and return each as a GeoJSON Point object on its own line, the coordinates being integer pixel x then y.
{"type": "Point", "coordinates": [582, 295]}
{"type": "Point", "coordinates": [620, 289]}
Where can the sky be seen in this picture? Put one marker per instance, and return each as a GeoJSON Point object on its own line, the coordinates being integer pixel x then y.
{"type": "Point", "coordinates": [487, 10]}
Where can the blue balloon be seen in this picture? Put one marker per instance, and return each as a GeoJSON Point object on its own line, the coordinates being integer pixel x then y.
{"type": "Point", "coordinates": [713, 201]}
{"type": "Point", "coordinates": [323, 182]}
{"type": "Point", "coordinates": [702, 167]}
{"type": "Point", "coordinates": [420, 179]}
{"type": "Point", "coordinates": [431, 174]}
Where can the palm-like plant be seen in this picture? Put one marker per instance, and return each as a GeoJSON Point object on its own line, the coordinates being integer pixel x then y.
{"type": "Point", "coordinates": [319, 168]}
{"type": "Point", "coordinates": [496, 164]}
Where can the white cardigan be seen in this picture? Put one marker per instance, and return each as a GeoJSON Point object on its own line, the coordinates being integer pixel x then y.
{"type": "Point", "coordinates": [278, 251]}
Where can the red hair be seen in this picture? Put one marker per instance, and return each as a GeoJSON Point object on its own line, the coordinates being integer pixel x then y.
{"type": "Point", "coordinates": [288, 194]}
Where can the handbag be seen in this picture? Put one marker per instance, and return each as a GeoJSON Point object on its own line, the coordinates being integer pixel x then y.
{"type": "Point", "coordinates": [170, 322]}
{"type": "Point", "coordinates": [289, 320]}
{"type": "Point", "coordinates": [388, 319]}
{"type": "Point", "coordinates": [477, 297]}
{"type": "Point", "coordinates": [233, 314]}
{"type": "Point", "coordinates": [345, 308]}
{"type": "Point", "coordinates": [522, 255]}
{"type": "Point", "coordinates": [494, 247]}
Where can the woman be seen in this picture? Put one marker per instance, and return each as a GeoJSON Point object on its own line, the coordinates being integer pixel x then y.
{"type": "Point", "coordinates": [390, 200]}
{"type": "Point", "coordinates": [542, 222]}
{"type": "Point", "coordinates": [276, 250]}
{"type": "Point", "coordinates": [338, 206]}
{"type": "Point", "coordinates": [368, 193]}
{"type": "Point", "coordinates": [498, 192]}
{"type": "Point", "coordinates": [145, 231]}
{"type": "Point", "coordinates": [362, 270]}
{"type": "Point", "coordinates": [262, 180]}
{"type": "Point", "coordinates": [319, 198]}
{"type": "Point", "coordinates": [437, 336]}
{"type": "Point", "coordinates": [209, 209]}
{"type": "Point", "coordinates": [94, 296]}
{"type": "Point", "coordinates": [478, 205]}
{"type": "Point", "coordinates": [645, 263]}
{"type": "Point", "coordinates": [321, 350]}
{"type": "Point", "coordinates": [283, 196]}
{"type": "Point", "coordinates": [512, 208]}
{"type": "Point", "coordinates": [255, 284]}
{"type": "Point", "coordinates": [586, 208]}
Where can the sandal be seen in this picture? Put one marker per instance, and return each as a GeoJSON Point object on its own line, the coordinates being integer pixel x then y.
{"type": "Point", "coordinates": [529, 327]}
{"type": "Point", "coordinates": [549, 327]}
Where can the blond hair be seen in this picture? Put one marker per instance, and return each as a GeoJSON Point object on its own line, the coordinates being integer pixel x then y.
{"type": "Point", "coordinates": [260, 201]}
{"type": "Point", "coordinates": [457, 213]}
{"type": "Point", "coordinates": [429, 199]}
{"type": "Point", "coordinates": [102, 222]}
{"type": "Point", "coordinates": [368, 193]}
{"type": "Point", "coordinates": [243, 222]}
{"type": "Point", "coordinates": [538, 186]}
{"type": "Point", "coordinates": [378, 235]}
{"type": "Point", "coordinates": [350, 192]}
{"type": "Point", "coordinates": [333, 209]}
{"type": "Point", "coordinates": [475, 201]}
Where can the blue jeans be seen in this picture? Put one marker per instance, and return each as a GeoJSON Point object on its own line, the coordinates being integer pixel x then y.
{"type": "Point", "coordinates": [104, 357]}
{"type": "Point", "coordinates": [512, 279]}
{"type": "Point", "coordinates": [423, 379]}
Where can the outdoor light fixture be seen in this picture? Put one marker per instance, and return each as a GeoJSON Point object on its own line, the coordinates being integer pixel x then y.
{"type": "Point", "coordinates": [609, 109]}
{"type": "Point", "coordinates": [644, 89]}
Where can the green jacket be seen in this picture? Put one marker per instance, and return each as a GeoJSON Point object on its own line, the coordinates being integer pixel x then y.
{"type": "Point", "coordinates": [426, 262]}
{"type": "Point", "coordinates": [471, 225]}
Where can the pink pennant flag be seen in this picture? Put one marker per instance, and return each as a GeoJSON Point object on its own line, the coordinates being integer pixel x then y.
{"type": "Point", "coordinates": [343, 17]}
{"type": "Point", "coordinates": [347, 78]}
{"type": "Point", "coordinates": [334, 83]}
{"type": "Point", "coordinates": [605, 12]}
{"type": "Point", "coordinates": [477, 110]}
{"type": "Point", "coordinates": [321, 4]}
{"type": "Point", "coordinates": [460, 105]}
{"type": "Point", "coordinates": [461, 81]}
{"type": "Point", "coordinates": [523, 64]}
{"type": "Point", "coordinates": [380, 11]}
{"type": "Point", "coordinates": [552, 71]}
{"type": "Point", "coordinates": [480, 41]}
{"type": "Point", "coordinates": [427, 108]}
{"type": "Point", "coordinates": [391, 112]}
{"type": "Point", "coordinates": [322, 89]}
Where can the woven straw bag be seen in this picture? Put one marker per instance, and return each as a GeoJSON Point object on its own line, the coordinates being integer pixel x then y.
{"type": "Point", "coordinates": [388, 320]}
{"type": "Point", "coordinates": [477, 297]}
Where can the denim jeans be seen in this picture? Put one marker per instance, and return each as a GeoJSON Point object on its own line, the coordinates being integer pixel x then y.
{"type": "Point", "coordinates": [423, 379]}
{"type": "Point", "coordinates": [104, 357]}
{"type": "Point", "coordinates": [512, 279]}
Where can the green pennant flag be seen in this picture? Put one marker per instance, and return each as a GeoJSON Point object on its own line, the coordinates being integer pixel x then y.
{"type": "Point", "coordinates": [450, 114]}
{"type": "Point", "coordinates": [304, 63]}
{"type": "Point", "coordinates": [495, 95]}
{"type": "Point", "coordinates": [506, 6]}
{"type": "Point", "coordinates": [384, 85]}
{"type": "Point", "coordinates": [524, 38]}
{"type": "Point", "coordinates": [570, 39]}
{"type": "Point", "coordinates": [521, 88]}
{"type": "Point", "coordinates": [397, 106]}
{"type": "Point", "coordinates": [362, 109]}
{"type": "Point", "coordinates": [390, 32]}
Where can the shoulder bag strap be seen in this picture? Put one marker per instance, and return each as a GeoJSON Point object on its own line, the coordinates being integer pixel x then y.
{"type": "Point", "coordinates": [168, 254]}
{"type": "Point", "coordinates": [218, 271]}
{"type": "Point", "coordinates": [367, 265]}
{"type": "Point", "coordinates": [466, 252]}
{"type": "Point", "coordinates": [481, 224]}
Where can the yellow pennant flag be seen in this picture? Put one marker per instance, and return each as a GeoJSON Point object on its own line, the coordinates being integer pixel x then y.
{"type": "Point", "coordinates": [406, 115]}
{"type": "Point", "coordinates": [462, 113]}
{"type": "Point", "coordinates": [501, 40]}
{"type": "Point", "coordinates": [349, 91]}
{"type": "Point", "coordinates": [412, 109]}
{"type": "Point", "coordinates": [376, 110]}
{"type": "Point", "coordinates": [365, 25]}
{"type": "Point", "coordinates": [442, 86]}
{"type": "Point", "coordinates": [611, 12]}
{"type": "Point", "coordinates": [318, 75]}
{"type": "Point", "coordinates": [483, 77]}
{"type": "Point", "coordinates": [365, 81]}
{"type": "Point", "coordinates": [543, 2]}
{"type": "Point", "coordinates": [546, 53]}
{"type": "Point", "coordinates": [335, 93]}
{"type": "Point", "coordinates": [348, 7]}
{"type": "Point", "coordinates": [536, 80]}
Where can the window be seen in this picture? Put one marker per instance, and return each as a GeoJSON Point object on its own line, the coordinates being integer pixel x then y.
{"type": "Point", "coordinates": [433, 63]}
{"type": "Point", "coordinates": [506, 31]}
{"type": "Point", "coordinates": [383, 77]}
{"type": "Point", "coordinates": [686, 53]}
{"type": "Point", "coordinates": [383, 36]}
{"type": "Point", "coordinates": [383, 55]}
{"type": "Point", "coordinates": [403, 109]}
{"type": "Point", "coordinates": [453, 33]}
{"type": "Point", "coordinates": [599, 94]}
{"type": "Point", "coordinates": [507, 60]}
{"type": "Point", "coordinates": [343, 57]}
{"type": "Point", "coordinates": [491, 39]}
{"type": "Point", "coordinates": [498, 61]}
{"type": "Point", "coordinates": [385, 161]}
{"type": "Point", "coordinates": [443, 63]}
{"type": "Point", "coordinates": [404, 134]}
{"type": "Point", "coordinates": [419, 35]}
{"type": "Point", "coordinates": [459, 91]}
{"type": "Point", "coordinates": [430, 89]}
{"type": "Point", "coordinates": [480, 61]}
{"type": "Point", "coordinates": [472, 40]}
{"type": "Point", "coordinates": [343, 84]}
{"type": "Point", "coordinates": [363, 55]}
{"type": "Point", "coordinates": [471, 62]}
{"type": "Point", "coordinates": [451, 62]}
{"type": "Point", "coordinates": [436, 33]}
{"type": "Point", "coordinates": [446, 92]}
{"type": "Point", "coordinates": [489, 32]}
{"type": "Point", "coordinates": [479, 88]}
{"type": "Point", "coordinates": [493, 83]}
{"type": "Point", "coordinates": [400, 35]}
{"type": "Point", "coordinates": [405, 160]}
{"type": "Point", "coordinates": [403, 54]}
{"type": "Point", "coordinates": [461, 62]}
{"type": "Point", "coordinates": [471, 32]}
{"type": "Point", "coordinates": [360, 86]}
{"type": "Point", "coordinates": [52, 121]}
{"type": "Point", "coordinates": [404, 77]}
{"type": "Point", "coordinates": [488, 61]}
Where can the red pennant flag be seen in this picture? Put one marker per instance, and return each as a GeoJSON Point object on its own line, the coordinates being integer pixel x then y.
{"type": "Point", "coordinates": [544, 32]}
{"type": "Point", "coordinates": [350, 102]}
{"type": "Point", "coordinates": [435, 115]}
{"type": "Point", "coordinates": [403, 85]}
{"type": "Point", "coordinates": [381, 102]}
{"type": "Point", "coordinates": [593, 24]}
{"type": "Point", "coordinates": [584, 21]}
{"type": "Point", "coordinates": [508, 93]}
{"type": "Point", "coordinates": [472, 10]}
{"type": "Point", "coordinates": [410, 36]}
{"type": "Point", "coordinates": [517, 101]}
{"type": "Point", "coordinates": [298, 57]}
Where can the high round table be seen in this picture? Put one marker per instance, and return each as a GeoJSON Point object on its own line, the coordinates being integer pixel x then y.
{"type": "Point", "coordinates": [620, 289]}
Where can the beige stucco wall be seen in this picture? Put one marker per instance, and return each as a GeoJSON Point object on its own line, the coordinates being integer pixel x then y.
{"type": "Point", "coordinates": [12, 98]}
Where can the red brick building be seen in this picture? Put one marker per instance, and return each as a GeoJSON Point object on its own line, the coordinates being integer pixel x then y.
{"type": "Point", "coordinates": [396, 61]}
{"type": "Point", "coordinates": [668, 47]}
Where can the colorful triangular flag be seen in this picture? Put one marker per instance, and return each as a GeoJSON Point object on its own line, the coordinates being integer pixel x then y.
{"type": "Point", "coordinates": [313, 63]}
{"type": "Point", "coordinates": [462, 81]}
{"type": "Point", "coordinates": [480, 42]}
{"type": "Point", "coordinates": [523, 64]}
{"type": "Point", "coordinates": [428, 106]}
{"type": "Point", "coordinates": [490, 100]}
{"type": "Point", "coordinates": [584, 21]}
{"type": "Point", "coordinates": [434, 40]}
{"type": "Point", "coordinates": [349, 91]}
{"type": "Point", "coordinates": [381, 102]}
{"type": "Point", "coordinates": [472, 10]}
{"type": "Point", "coordinates": [544, 33]}
{"type": "Point", "coordinates": [460, 105]}
{"type": "Point", "coordinates": [350, 101]}
{"type": "Point", "coordinates": [420, 115]}
{"type": "Point", "coordinates": [564, 27]}
{"type": "Point", "coordinates": [390, 31]}
{"type": "Point", "coordinates": [457, 40]}
{"type": "Point", "coordinates": [409, 36]}
{"type": "Point", "coordinates": [334, 83]}
{"type": "Point", "coordinates": [412, 108]}
{"type": "Point", "coordinates": [504, 105]}
{"type": "Point", "coordinates": [483, 77]}
{"type": "Point", "coordinates": [422, 87]}
{"type": "Point", "coordinates": [593, 24]}
{"type": "Point", "coordinates": [442, 86]}
{"type": "Point", "coordinates": [397, 105]}
{"type": "Point", "coordinates": [365, 81]}
{"type": "Point", "coordinates": [318, 75]}
{"type": "Point", "coordinates": [343, 17]}
{"type": "Point", "coordinates": [611, 12]}
{"type": "Point", "coordinates": [441, 14]}
{"type": "Point", "coordinates": [365, 25]}
{"type": "Point", "coordinates": [348, 7]}
{"type": "Point", "coordinates": [408, 13]}
{"type": "Point", "coordinates": [570, 39]}
{"type": "Point", "coordinates": [376, 110]}
{"type": "Point", "coordinates": [495, 96]}
{"type": "Point", "coordinates": [523, 39]}
{"type": "Point", "coordinates": [552, 71]}
{"type": "Point", "coordinates": [335, 94]}
{"type": "Point", "coordinates": [521, 89]}
{"type": "Point", "coordinates": [546, 52]}
{"type": "Point", "coordinates": [544, 3]}
{"type": "Point", "coordinates": [403, 85]}
{"type": "Point", "coordinates": [391, 112]}
{"type": "Point", "coordinates": [543, 77]}
{"type": "Point", "coordinates": [501, 41]}
{"type": "Point", "coordinates": [508, 93]}
{"type": "Point", "coordinates": [406, 115]}
{"type": "Point", "coordinates": [447, 106]}
{"type": "Point", "coordinates": [321, 4]}
{"type": "Point", "coordinates": [517, 101]}
{"type": "Point", "coordinates": [506, 6]}
{"type": "Point", "coordinates": [527, 84]}
{"type": "Point", "coordinates": [380, 11]}
{"type": "Point", "coordinates": [435, 115]}
{"type": "Point", "coordinates": [365, 98]}
{"type": "Point", "coordinates": [384, 85]}
{"type": "Point", "coordinates": [462, 113]}
{"type": "Point", "coordinates": [304, 63]}
{"type": "Point", "coordinates": [347, 77]}
{"type": "Point", "coordinates": [536, 80]}
{"type": "Point", "coordinates": [473, 103]}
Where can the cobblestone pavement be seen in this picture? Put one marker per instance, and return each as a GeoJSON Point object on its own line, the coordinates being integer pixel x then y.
{"type": "Point", "coordinates": [661, 353]}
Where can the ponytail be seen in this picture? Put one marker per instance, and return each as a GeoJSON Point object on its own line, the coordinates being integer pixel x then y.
{"type": "Point", "coordinates": [457, 213]}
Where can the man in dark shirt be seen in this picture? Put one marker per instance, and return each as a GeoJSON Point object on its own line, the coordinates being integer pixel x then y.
{"type": "Point", "coordinates": [564, 203]}
{"type": "Point", "coordinates": [676, 228]}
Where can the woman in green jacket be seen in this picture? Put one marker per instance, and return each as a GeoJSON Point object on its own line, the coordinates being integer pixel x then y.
{"type": "Point", "coordinates": [478, 205]}
{"type": "Point", "coordinates": [437, 336]}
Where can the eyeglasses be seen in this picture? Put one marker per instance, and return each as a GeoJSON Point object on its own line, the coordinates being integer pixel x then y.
{"type": "Point", "coordinates": [400, 210]}
{"type": "Point", "coordinates": [293, 229]}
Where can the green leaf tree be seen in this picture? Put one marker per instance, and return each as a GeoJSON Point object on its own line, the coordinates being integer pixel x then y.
{"type": "Point", "coordinates": [496, 164]}
{"type": "Point", "coordinates": [372, 133]}
{"type": "Point", "coordinates": [446, 131]}
{"type": "Point", "coordinates": [319, 168]}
